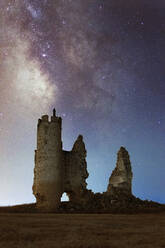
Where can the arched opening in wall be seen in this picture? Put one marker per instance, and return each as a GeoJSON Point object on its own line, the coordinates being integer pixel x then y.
{"type": "Point", "coordinates": [64, 197]}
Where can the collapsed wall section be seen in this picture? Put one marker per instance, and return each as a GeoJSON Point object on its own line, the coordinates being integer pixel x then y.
{"type": "Point", "coordinates": [75, 170]}
{"type": "Point", "coordinates": [120, 181]}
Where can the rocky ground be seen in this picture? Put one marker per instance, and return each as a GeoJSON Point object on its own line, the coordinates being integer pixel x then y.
{"type": "Point", "coordinates": [97, 203]}
{"type": "Point", "coordinates": [105, 203]}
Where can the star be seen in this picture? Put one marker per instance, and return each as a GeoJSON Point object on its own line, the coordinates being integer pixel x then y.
{"type": "Point", "coordinates": [44, 55]}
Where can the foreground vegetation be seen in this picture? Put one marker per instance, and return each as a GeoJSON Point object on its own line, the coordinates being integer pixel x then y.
{"type": "Point", "coordinates": [28, 230]}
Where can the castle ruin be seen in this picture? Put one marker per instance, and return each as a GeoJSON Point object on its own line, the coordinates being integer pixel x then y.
{"type": "Point", "coordinates": [57, 171]}
{"type": "Point", "coordinates": [121, 177]}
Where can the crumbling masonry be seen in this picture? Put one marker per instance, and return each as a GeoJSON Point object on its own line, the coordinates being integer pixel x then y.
{"type": "Point", "coordinates": [57, 171]}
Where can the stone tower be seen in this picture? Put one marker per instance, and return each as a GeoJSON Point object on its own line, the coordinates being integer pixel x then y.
{"type": "Point", "coordinates": [48, 171]}
{"type": "Point", "coordinates": [120, 181]}
{"type": "Point", "coordinates": [57, 171]}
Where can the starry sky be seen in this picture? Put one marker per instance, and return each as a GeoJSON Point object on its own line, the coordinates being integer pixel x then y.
{"type": "Point", "coordinates": [100, 63]}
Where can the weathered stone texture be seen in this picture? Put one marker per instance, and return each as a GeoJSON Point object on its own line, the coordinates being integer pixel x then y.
{"type": "Point", "coordinates": [48, 180]}
{"type": "Point", "coordinates": [75, 170]}
{"type": "Point", "coordinates": [57, 171]}
{"type": "Point", "coordinates": [120, 181]}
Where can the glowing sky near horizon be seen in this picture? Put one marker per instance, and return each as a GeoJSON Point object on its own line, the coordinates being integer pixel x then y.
{"type": "Point", "coordinates": [101, 64]}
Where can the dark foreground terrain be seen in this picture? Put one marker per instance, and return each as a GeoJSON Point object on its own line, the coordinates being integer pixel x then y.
{"type": "Point", "coordinates": [28, 230]}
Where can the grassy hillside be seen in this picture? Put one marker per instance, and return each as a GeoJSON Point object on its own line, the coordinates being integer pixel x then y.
{"type": "Point", "coordinates": [82, 230]}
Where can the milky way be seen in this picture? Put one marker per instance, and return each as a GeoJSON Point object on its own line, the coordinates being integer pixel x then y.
{"type": "Point", "coordinates": [101, 64]}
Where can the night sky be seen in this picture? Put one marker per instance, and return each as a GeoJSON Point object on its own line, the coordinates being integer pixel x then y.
{"type": "Point", "coordinates": [101, 64]}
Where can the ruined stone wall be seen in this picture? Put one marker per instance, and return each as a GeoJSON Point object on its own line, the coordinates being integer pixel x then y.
{"type": "Point", "coordinates": [48, 171]}
{"type": "Point", "coordinates": [57, 171]}
{"type": "Point", "coordinates": [120, 181]}
{"type": "Point", "coordinates": [75, 170]}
